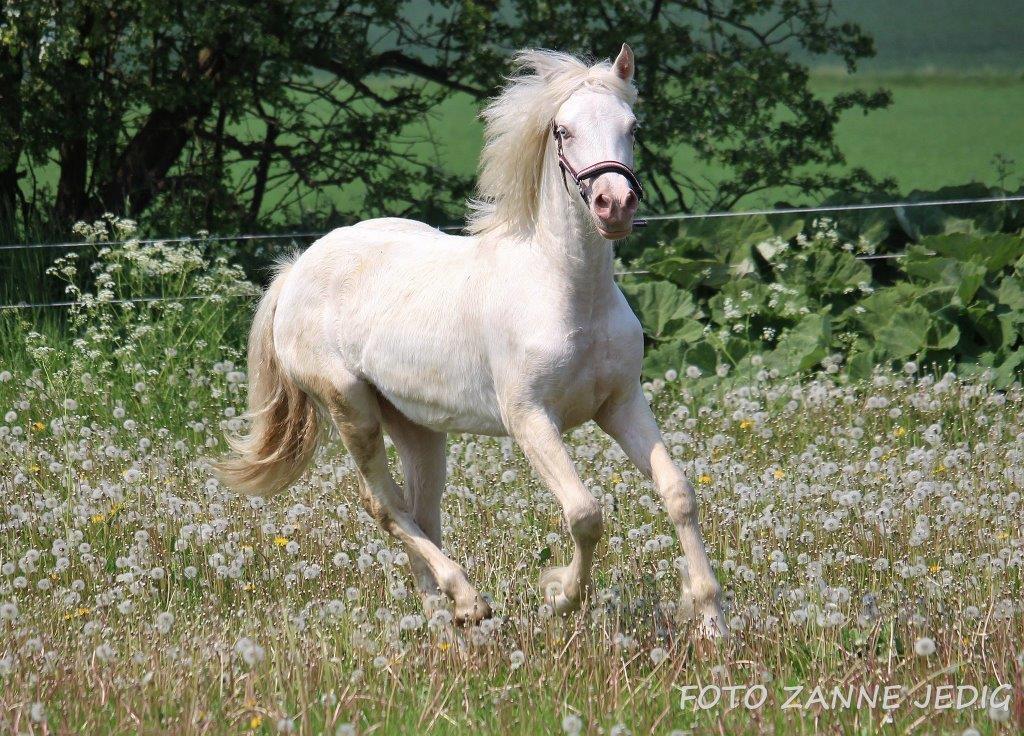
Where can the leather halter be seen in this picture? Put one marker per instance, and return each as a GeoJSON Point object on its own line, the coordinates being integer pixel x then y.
{"type": "Point", "coordinates": [593, 171]}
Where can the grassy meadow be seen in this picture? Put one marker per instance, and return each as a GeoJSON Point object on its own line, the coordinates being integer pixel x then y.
{"type": "Point", "coordinates": [867, 535]}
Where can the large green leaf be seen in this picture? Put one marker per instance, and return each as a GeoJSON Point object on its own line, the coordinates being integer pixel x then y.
{"type": "Point", "coordinates": [690, 273]}
{"type": "Point", "coordinates": [1009, 369]}
{"type": "Point", "coordinates": [919, 222]}
{"type": "Point", "coordinates": [703, 356]}
{"type": "Point", "coordinates": [801, 346]}
{"type": "Point", "coordinates": [1011, 293]}
{"type": "Point", "coordinates": [861, 364]}
{"type": "Point", "coordinates": [661, 307]}
{"type": "Point", "coordinates": [995, 252]}
{"type": "Point", "coordinates": [906, 333]}
{"type": "Point", "coordinates": [678, 355]}
{"type": "Point", "coordinates": [1005, 366]}
{"type": "Point", "coordinates": [964, 275]}
{"type": "Point", "coordinates": [991, 329]}
{"type": "Point", "coordinates": [730, 239]}
{"type": "Point", "coordinates": [942, 335]}
{"type": "Point", "coordinates": [663, 357]}
{"type": "Point", "coordinates": [788, 226]}
{"type": "Point", "coordinates": [877, 308]}
{"type": "Point", "coordinates": [826, 272]}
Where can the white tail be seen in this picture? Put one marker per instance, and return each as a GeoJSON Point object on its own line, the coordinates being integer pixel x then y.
{"type": "Point", "coordinates": [284, 432]}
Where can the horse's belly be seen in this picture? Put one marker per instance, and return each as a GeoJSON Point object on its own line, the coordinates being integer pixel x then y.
{"type": "Point", "coordinates": [454, 395]}
{"type": "Point", "coordinates": [450, 418]}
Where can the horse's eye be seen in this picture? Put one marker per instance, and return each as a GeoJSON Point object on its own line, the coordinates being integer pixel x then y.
{"type": "Point", "coordinates": [563, 132]}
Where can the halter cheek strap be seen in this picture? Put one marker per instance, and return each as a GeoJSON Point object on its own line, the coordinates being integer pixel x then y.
{"type": "Point", "coordinates": [593, 171]}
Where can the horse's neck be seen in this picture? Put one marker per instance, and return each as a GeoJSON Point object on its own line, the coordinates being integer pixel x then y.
{"type": "Point", "coordinates": [581, 256]}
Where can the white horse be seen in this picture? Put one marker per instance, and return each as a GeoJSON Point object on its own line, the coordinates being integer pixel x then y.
{"type": "Point", "coordinates": [518, 329]}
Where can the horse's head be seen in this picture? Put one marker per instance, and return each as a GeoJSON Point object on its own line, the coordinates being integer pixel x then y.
{"type": "Point", "coordinates": [594, 135]}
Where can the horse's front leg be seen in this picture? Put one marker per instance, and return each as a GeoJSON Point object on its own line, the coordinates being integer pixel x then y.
{"type": "Point", "coordinates": [541, 440]}
{"type": "Point", "coordinates": [630, 422]}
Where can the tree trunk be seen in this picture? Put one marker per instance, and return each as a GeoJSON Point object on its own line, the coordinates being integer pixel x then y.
{"type": "Point", "coordinates": [10, 140]}
{"type": "Point", "coordinates": [141, 171]}
{"type": "Point", "coordinates": [262, 172]}
{"type": "Point", "coordinates": [216, 171]}
{"type": "Point", "coordinates": [71, 187]}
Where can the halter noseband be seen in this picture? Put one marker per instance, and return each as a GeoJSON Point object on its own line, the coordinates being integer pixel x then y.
{"type": "Point", "coordinates": [593, 171]}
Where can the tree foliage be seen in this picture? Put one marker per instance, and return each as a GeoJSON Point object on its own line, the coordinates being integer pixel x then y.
{"type": "Point", "coordinates": [236, 113]}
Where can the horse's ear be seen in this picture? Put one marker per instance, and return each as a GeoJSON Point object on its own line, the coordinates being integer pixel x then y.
{"type": "Point", "coordinates": [624, 65]}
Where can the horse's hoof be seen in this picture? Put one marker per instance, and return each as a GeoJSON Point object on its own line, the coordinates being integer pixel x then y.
{"type": "Point", "coordinates": [553, 587]}
{"type": "Point", "coordinates": [713, 627]}
{"type": "Point", "coordinates": [472, 612]}
{"type": "Point", "coordinates": [709, 619]}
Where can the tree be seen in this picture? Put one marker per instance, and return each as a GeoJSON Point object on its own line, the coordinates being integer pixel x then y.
{"type": "Point", "coordinates": [238, 113]}
{"type": "Point", "coordinates": [720, 77]}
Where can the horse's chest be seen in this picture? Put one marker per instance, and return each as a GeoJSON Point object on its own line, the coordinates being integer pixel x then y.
{"type": "Point", "coordinates": [586, 368]}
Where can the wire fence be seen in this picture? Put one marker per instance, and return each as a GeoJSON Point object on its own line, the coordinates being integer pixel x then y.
{"type": "Point", "coordinates": [127, 300]}
{"type": "Point", "coordinates": [680, 216]}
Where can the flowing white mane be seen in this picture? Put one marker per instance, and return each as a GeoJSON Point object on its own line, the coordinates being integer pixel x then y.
{"type": "Point", "coordinates": [518, 126]}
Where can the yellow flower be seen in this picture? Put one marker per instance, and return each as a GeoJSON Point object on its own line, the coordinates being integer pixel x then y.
{"type": "Point", "coordinates": [35, 468]}
{"type": "Point", "coordinates": [746, 424]}
{"type": "Point", "coordinates": [280, 541]}
{"type": "Point", "coordinates": [1003, 535]}
{"type": "Point", "coordinates": [941, 468]}
{"type": "Point", "coordinates": [38, 426]}
{"type": "Point", "coordinates": [616, 478]}
{"type": "Point", "coordinates": [98, 518]}
{"type": "Point", "coordinates": [900, 431]}
{"type": "Point", "coordinates": [704, 479]}
{"type": "Point", "coordinates": [936, 567]}
{"type": "Point", "coordinates": [444, 646]}
{"type": "Point", "coordinates": [255, 722]}
{"type": "Point", "coordinates": [779, 475]}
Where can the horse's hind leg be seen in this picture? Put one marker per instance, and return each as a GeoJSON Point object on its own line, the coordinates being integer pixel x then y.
{"type": "Point", "coordinates": [422, 452]}
{"type": "Point", "coordinates": [357, 414]}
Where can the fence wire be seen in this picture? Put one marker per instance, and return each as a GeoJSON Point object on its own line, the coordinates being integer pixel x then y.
{"type": "Point", "coordinates": [248, 237]}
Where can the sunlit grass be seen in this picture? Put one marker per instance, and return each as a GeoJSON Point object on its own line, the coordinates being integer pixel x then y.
{"type": "Point", "coordinates": [853, 526]}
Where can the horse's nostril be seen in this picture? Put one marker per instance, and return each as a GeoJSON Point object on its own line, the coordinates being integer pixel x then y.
{"type": "Point", "coordinates": [602, 202]}
{"type": "Point", "coordinates": [630, 202]}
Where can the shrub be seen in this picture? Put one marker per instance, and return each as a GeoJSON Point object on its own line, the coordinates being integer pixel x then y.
{"type": "Point", "coordinates": [787, 293]}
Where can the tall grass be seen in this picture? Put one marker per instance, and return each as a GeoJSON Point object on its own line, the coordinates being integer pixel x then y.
{"type": "Point", "coordinates": [865, 533]}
